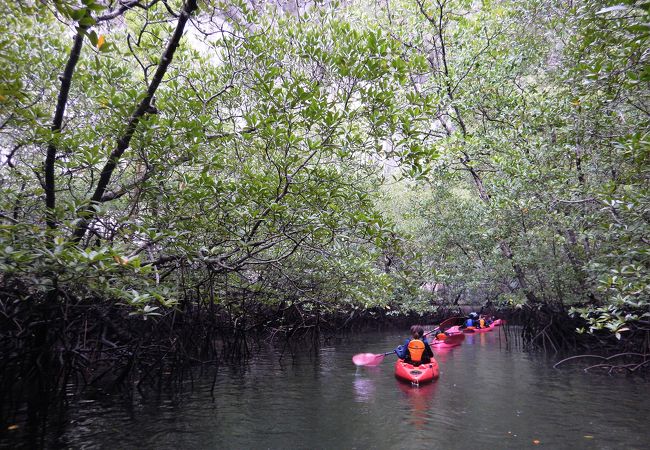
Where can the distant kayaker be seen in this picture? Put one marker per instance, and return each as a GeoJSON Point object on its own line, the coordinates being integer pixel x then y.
{"type": "Point", "coordinates": [472, 320]}
{"type": "Point", "coordinates": [418, 349]}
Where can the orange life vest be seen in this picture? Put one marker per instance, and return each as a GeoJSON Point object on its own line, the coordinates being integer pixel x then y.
{"type": "Point", "coordinates": [416, 349]}
{"type": "Point", "coordinates": [481, 323]}
{"type": "Point", "coordinates": [441, 336]}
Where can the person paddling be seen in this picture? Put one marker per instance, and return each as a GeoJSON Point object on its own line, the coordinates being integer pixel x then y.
{"type": "Point", "coordinates": [416, 350]}
{"type": "Point", "coordinates": [472, 320]}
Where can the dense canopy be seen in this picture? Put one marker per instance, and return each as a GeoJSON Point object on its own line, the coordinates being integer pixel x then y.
{"type": "Point", "coordinates": [273, 163]}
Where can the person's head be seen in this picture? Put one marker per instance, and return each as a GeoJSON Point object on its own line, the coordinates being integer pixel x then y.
{"type": "Point", "coordinates": [417, 331]}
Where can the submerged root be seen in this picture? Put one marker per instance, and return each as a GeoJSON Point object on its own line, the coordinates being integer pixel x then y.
{"type": "Point", "coordinates": [642, 360]}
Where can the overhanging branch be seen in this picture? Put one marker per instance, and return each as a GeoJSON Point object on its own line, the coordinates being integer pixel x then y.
{"type": "Point", "coordinates": [132, 124]}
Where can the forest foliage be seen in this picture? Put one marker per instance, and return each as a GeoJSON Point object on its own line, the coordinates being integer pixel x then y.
{"type": "Point", "coordinates": [388, 156]}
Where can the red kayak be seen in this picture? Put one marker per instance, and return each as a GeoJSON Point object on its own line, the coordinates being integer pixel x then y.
{"type": "Point", "coordinates": [469, 330]}
{"type": "Point", "coordinates": [483, 330]}
{"type": "Point", "coordinates": [423, 373]}
{"type": "Point", "coordinates": [498, 323]}
{"type": "Point", "coordinates": [452, 340]}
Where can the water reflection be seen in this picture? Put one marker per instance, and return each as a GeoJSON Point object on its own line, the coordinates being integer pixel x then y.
{"type": "Point", "coordinates": [364, 388]}
{"type": "Point", "coordinates": [486, 396]}
{"type": "Point", "coordinates": [420, 399]}
{"type": "Point", "coordinates": [442, 353]}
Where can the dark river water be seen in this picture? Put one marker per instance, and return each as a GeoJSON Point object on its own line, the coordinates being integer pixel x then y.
{"type": "Point", "coordinates": [487, 396]}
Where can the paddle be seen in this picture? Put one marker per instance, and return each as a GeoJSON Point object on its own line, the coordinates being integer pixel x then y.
{"type": "Point", "coordinates": [448, 323]}
{"type": "Point", "coordinates": [369, 359]}
{"type": "Point", "coordinates": [435, 330]}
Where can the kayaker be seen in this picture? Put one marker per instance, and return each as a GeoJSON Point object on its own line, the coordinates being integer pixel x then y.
{"type": "Point", "coordinates": [417, 347]}
{"type": "Point", "coordinates": [481, 322]}
{"type": "Point", "coordinates": [472, 320]}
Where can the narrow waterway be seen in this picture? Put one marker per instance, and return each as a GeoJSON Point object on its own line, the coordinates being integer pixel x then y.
{"type": "Point", "coordinates": [487, 396]}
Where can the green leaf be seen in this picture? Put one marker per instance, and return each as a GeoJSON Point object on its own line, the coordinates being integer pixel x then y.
{"type": "Point", "coordinates": [87, 21]}
{"type": "Point", "coordinates": [92, 36]}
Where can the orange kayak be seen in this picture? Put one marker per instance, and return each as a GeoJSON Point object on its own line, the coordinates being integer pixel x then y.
{"type": "Point", "coordinates": [423, 373]}
{"type": "Point", "coordinates": [452, 340]}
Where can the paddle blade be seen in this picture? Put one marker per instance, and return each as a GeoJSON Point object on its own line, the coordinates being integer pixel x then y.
{"type": "Point", "coordinates": [445, 324]}
{"type": "Point", "coordinates": [367, 359]}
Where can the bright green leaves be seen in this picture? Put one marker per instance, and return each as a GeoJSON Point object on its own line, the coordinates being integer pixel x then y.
{"type": "Point", "coordinates": [612, 42]}
{"type": "Point", "coordinates": [105, 270]}
{"type": "Point", "coordinates": [529, 120]}
{"type": "Point", "coordinates": [259, 162]}
{"type": "Point", "coordinates": [607, 64]}
{"type": "Point", "coordinates": [82, 15]}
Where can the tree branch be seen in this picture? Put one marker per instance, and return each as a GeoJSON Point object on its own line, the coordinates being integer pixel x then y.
{"type": "Point", "coordinates": [124, 141]}
{"type": "Point", "coordinates": [125, 6]}
{"type": "Point", "coordinates": [50, 159]}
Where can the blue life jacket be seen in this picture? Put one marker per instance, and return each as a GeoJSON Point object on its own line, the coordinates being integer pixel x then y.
{"type": "Point", "coordinates": [469, 323]}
